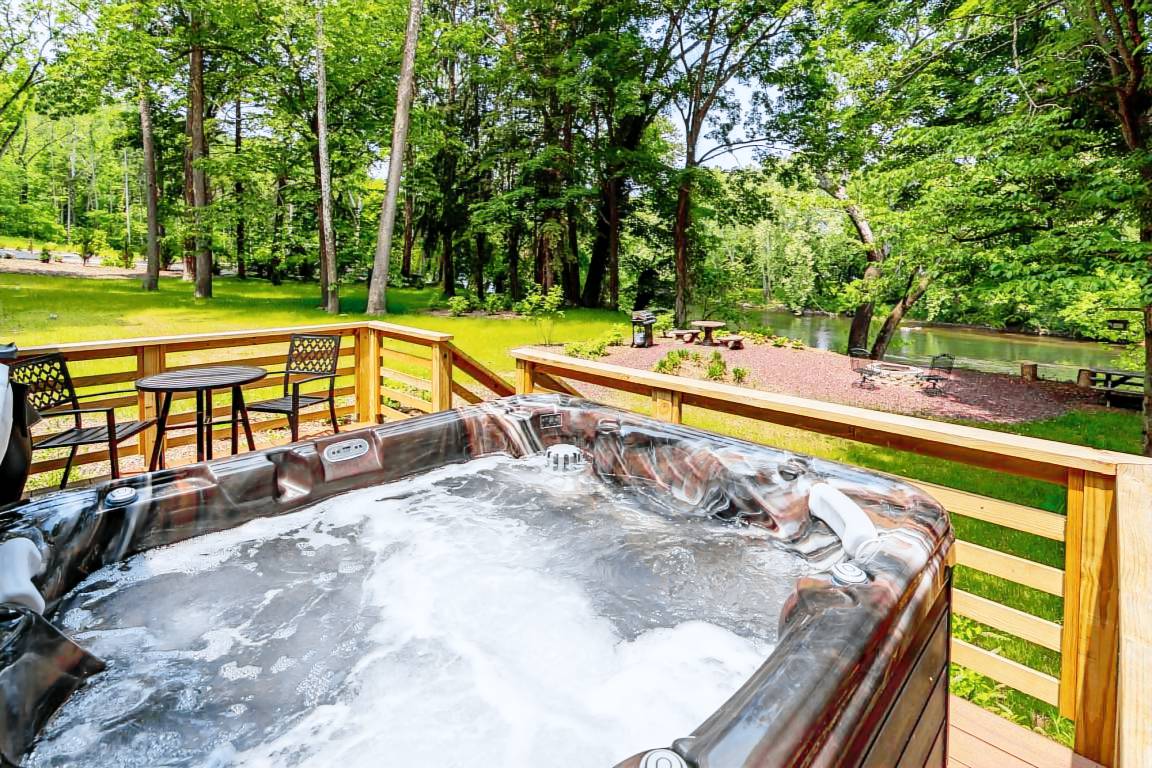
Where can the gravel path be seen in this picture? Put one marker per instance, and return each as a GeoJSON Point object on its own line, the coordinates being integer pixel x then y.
{"type": "Point", "coordinates": [828, 376]}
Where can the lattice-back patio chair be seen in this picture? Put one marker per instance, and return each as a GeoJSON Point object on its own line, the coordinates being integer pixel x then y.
{"type": "Point", "coordinates": [311, 357]}
{"type": "Point", "coordinates": [939, 373]}
{"type": "Point", "coordinates": [51, 393]}
{"type": "Point", "coordinates": [864, 366]}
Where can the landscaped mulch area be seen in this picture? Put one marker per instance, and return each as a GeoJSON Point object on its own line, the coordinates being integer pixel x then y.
{"type": "Point", "coordinates": [828, 376]}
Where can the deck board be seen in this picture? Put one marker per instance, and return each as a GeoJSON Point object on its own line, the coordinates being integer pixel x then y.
{"type": "Point", "coordinates": [979, 739]}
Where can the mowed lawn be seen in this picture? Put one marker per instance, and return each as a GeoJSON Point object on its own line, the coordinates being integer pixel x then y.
{"type": "Point", "coordinates": [38, 309]}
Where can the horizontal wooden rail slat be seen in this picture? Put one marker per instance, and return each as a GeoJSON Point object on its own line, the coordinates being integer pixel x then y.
{"type": "Point", "coordinates": [405, 357]}
{"type": "Point", "coordinates": [391, 414]}
{"type": "Point", "coordinates": [1028, 456]}
{"type": "Point", "coordinates": [1016, 569]}
{"type": "Point", "coordinates": [557, 384]}
{"type": "Point", "coordinates": [405, 378]}
{"type": "Point", "coordinates": [404, 398]}
{"type": "Point", "coordinates": [1004, 513]}
{"type": "Point", "coordinates": [100, 379]}
{"type": "Point", "coordinates": [184, 418]}
{"type": "Point", "coordinates": [1024, 679]}
{"type": "Point", "coordinates": [1023, 625]}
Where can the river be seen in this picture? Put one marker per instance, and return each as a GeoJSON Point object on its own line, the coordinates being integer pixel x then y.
{"type": "Point", "coordinates": [981, 350]}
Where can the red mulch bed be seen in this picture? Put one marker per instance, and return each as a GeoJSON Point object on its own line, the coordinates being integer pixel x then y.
{"type": "Point", "coordinates": [828, 376]}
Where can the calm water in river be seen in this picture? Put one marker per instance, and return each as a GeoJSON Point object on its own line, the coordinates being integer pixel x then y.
{"type": "Point", "coordinates": [979, 350]}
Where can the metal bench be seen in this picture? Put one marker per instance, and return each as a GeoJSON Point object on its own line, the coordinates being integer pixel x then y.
{"type": "Point", "coordinates": [939, 373]}
{"type": "Point", "coordinates": [864, 366]}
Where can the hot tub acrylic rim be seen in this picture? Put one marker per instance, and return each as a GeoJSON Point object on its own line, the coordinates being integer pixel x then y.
{"type": "Point", "coordinates": [711, 735]}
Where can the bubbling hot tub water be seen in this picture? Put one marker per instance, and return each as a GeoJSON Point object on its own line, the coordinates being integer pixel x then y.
{"type": "Point", "coordinates": [493, 613]}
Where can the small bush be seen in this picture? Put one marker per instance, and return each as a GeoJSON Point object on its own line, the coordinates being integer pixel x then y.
{"type": "Point", "coordinates": [543, 309]}
{"type": "Point", "coordinates": [458, 305]}
{"type": "Point", "coordinates": [664, 323]}
{"type": "Point", "coordinates": [717, 370]}
{"type": "Point", "coordinates": [669, 364]}
{"type": "Point", "coordinates": [779, 341]}
{"type": "Point", "coordinates": [497, 302]}
{"type": "Point", "coordinates": [739, 375]}
{"type": "Point", "coordinates": [796, 343]}
{"type": "Point", "coordinates": [45, 256]}
{"type": "Point", "coordinates": [695, 357]}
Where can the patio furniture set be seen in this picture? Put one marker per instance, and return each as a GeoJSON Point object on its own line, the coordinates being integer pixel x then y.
{"type": "Point", "coordinates": [934, 378]}
{"type": "Point", "coordinates": [702, 333]}
{"type": "Point", "coordinates": [51, 394]}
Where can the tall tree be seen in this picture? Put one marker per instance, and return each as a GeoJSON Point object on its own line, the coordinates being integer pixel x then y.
{"type": "Point", "coordinates": [377, 290]}
{"type": "Point", "coordinates": [328, 241]}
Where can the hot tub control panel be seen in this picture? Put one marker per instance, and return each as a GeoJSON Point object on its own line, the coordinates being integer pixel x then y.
{"type": "Point", "coordinates": [346, 450]}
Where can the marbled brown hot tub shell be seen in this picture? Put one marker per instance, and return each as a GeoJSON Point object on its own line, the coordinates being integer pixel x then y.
{"type": "Point", "coordinates": [859, 675]}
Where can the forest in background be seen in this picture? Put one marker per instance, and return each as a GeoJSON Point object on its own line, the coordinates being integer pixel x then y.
{"type": "Point", "coordinates": [954, 160]}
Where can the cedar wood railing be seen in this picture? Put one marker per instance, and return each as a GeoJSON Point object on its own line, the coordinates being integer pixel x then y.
{"type": "Point", "coordinates": [389, 372]}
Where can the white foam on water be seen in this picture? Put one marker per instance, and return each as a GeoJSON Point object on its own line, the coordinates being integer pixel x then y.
{"type": "Point", "coordinates": [485, 614]}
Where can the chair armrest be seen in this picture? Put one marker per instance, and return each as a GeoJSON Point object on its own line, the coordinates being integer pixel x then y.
{"type": "Point", "coordinates": [75, 411]}
{"type": "Point", "coordinates": [313, 377]}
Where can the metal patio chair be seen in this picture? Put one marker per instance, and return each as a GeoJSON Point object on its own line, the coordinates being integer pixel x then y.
{"type": "Point", "coordinates": [864, 366]}
{"type": "Point", "coordinates": [939, 373]}
{"type": "Point", "coordinates": [311, 357]}
{"type": "Point", "coordinates": [51, 394]}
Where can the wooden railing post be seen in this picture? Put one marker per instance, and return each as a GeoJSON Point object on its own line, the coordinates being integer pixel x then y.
{"type": "Point", "coordinates": [525, 377]}
{"type": "Point", "coordinates": [441, 376]}
{"type": "Point", "coordinates": [666, 405]}
{"type": "Point", "coordinates": [1090, 643]}
{"type": "Point", "coordinates": [367, 375]}
{"type": "Point", "coordinates": [149, 360]}
{"type": "Point", "coordinates": [1134, 569]}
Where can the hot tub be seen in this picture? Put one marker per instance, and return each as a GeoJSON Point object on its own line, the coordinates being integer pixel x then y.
{"type": "Point", "coordinates": [538, 580]}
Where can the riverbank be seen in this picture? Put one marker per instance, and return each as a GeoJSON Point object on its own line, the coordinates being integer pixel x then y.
{"type": "Point", "coordinates": [828, 376]}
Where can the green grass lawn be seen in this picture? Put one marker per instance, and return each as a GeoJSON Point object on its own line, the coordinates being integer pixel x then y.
{"type": "Point", "coordinates": [50, 309]}
{"type": "Point", "coordinates": [38, 309]}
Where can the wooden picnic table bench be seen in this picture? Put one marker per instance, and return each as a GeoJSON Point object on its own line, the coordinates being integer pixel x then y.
{"type": "Point", "coordinates": [1119, 387]}
{"type": "Point", "coordinates": [685, 335]}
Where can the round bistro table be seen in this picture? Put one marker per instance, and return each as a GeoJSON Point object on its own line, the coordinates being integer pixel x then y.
{"type": "Point", "coordinates": [201, 381]}
{"type": "Point", "coordinates": [708, 326]}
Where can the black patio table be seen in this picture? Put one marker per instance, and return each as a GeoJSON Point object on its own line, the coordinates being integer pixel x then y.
{"type": "Point", "coordinates": [201, 381]}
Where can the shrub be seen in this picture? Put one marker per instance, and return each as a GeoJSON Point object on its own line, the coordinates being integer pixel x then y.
{"type": "Point", "coordinates": [45, 256]}
{"type": "Point", "coordinates": [590, 350]}
{"type": "Point", "coordinates": [716, 370]}
{"type": "Point", "coordinates": [543, 309]}
{"type": "Point", "coordinates": [497, 302]}
{"type": "Point", "coordinates": [669, 364]}
{"type": "Point", "coordinates": [616, 336]}
{"type": "Point", "coordinates": [458, 305]}
{"type": "Point", "coordinates": [796, 343]}
{"type": "Point", "coordinates": [779, 341]}
{"type": "Point", "coordinates": [664, 323]}
{"type": "Point", "coordinates": [739, 375]}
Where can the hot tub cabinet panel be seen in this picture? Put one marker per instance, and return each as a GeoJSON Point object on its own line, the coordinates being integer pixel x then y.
{"type": "Point", "coordinates": [859, 677]}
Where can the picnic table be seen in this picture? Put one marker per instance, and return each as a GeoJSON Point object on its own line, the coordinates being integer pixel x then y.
{"type": "Point", "coordinates": [708, 326]}
{"type": "Point", "coordinates": [1117, 386]}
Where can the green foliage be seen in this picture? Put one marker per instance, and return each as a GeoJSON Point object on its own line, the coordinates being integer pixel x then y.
{"type": "Point", "coordinates": [458, 305]}
{"type": "Point", "coordinates": [739, 375]}
{"type": "Point", "coordinates": [665, 322]}
{"type": "Point", "coordinates": [495, 303]}
{"type": "Point", "coordinates": [543, 308]}
{"type": "Point", "coordinates": [596, 348]}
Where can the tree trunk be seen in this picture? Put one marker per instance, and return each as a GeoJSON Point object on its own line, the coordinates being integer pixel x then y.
{"type": "Point", "coordinates": [680, 245]}
{"type": "Point", "coordinates": [278, 230]}
{"type": "Point", "coordinates": [447, 264]}
{"type": "Point", "coordinates": [409, 237]}
{"type": "Point", "coordinates": [515, 290]}
{"type": "Point", "coordinates": [862, 319]}
{"type": "Point", "coordinates": [189, 244]}
{"type": "Point", "coordinates": [478, 265]}
{"type": "Point", "coordinates": [917, 286]}
{"type": "Point", "coordinates": [377, 299]}
{"type": "Point", "coordinates": [241, 267]}
{"type": "Point", "coordinates": [151, 196]}
{"type": "Point", "coordinates": [328, 239]}
{"type": "Point", "coordinates": [199, 153]}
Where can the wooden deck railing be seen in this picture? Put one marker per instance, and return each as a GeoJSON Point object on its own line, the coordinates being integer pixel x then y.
{"type": "Point", "coordinates": [385, 372]}
{"type": "Point", "coordinates": [1104, 641]}
{"type": "Point", "coordinates": [1105, 638]}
